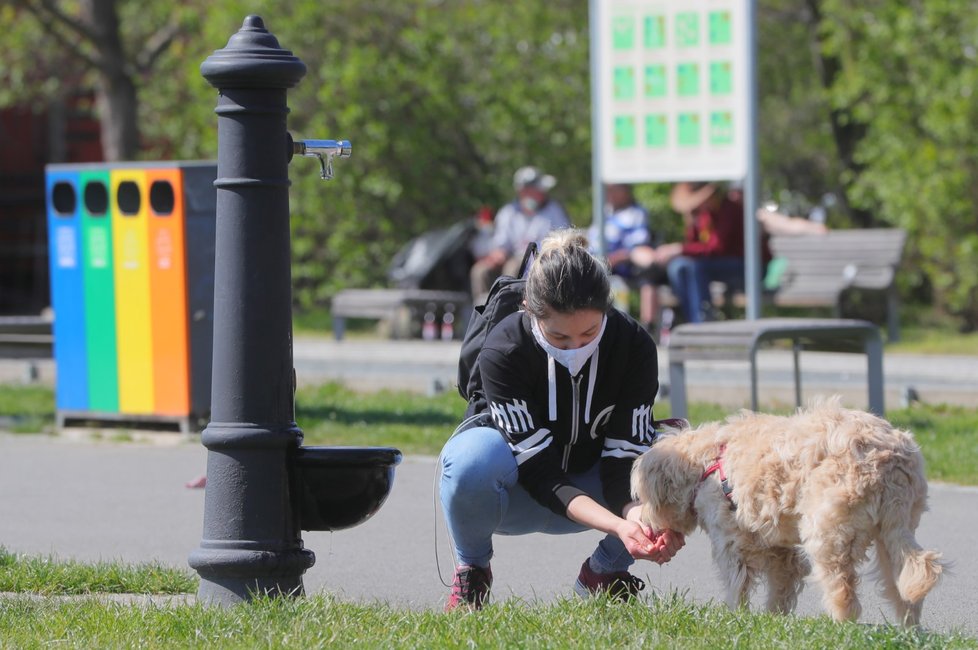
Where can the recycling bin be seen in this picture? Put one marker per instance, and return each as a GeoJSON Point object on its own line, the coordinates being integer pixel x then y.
{"type": "Point", "coordinates": [132, 285]}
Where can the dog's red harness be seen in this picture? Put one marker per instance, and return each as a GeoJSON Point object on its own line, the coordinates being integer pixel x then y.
{"type": "Point", "coordinates": [717, 467]}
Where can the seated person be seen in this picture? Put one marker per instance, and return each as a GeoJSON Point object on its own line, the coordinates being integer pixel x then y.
{"type": "Point", "coordinates": [712, 248]}
{"type": "Point", "coordinates": [630, 249]}
{"type": "Point", "coordinates": [527, 219]}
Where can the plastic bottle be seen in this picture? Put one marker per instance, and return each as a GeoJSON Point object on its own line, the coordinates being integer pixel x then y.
{"type": "Point", "coordinates": [429, 329]}
{"type": "Point", "coordinates": [448, 323]}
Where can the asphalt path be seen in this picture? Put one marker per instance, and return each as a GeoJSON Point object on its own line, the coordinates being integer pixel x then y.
{"type": "Point", "coordinates": [427, 366]}
{"type": "Point", "coordinates": [96, 500]}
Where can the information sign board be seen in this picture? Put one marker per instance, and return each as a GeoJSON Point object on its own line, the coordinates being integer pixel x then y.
{"type": "Point", "coordinates": [673, 90]}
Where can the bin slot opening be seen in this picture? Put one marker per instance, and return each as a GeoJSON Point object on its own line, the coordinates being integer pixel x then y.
{"type": "Point", "coordinates": [161, 198]}
{"type": "Point", "coordinates": [63, 198]}
{"type": "Point", "coordinates": [96, 199]}
{"type": "Point", "coordinates": [129, 198]}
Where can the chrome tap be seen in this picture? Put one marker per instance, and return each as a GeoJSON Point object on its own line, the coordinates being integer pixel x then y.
{"type": "Point", "coordinates": [325, 150]}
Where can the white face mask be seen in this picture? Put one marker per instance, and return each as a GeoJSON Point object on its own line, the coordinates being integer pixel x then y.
{"type": "Point", "coordinates": [573, 359]}
{"type": "Point", "coordinates": [529, 204]}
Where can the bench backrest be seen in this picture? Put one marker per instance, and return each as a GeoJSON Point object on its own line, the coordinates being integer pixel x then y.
{"type": "Point", "coordinates": [820, 267]}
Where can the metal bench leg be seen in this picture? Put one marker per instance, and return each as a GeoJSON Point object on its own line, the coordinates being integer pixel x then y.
{"type": "Point", "coordinates": [796, 352]}
{"type": "Point", "coordinates": [677, 389]}
{"type": "Point", "coordinates": [874, 362]}
{"type": "Point", "coordinates": [339, 327]}
{"type": "Point", "coordinates": [753, 378]}
{"type": "Point", "coordinates": [892, 315]}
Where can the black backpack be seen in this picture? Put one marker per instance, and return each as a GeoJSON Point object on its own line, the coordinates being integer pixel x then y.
{"type": "Point", "coordinates": [504, 298]}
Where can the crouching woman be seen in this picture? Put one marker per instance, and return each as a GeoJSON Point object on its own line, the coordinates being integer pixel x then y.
{"type": "Point", "coordinates": [565, 407]}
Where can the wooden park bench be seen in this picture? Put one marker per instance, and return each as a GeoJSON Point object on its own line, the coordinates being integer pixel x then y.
{"type": "Point", "coordinates": [403, 309]}
{"type": "Point", "coordinates": [818, 271]}
{"type": "Point", "coordinates": [28, 338]}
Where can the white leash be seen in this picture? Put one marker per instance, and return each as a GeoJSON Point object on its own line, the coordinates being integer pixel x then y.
{"type": "Point", "coordinates": [434, 508]}
{"type": "Point", "coordinates": [434, 503]}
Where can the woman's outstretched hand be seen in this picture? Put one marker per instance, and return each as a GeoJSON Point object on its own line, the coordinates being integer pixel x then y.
{"type": "Point", "coordinates": [643, 543]}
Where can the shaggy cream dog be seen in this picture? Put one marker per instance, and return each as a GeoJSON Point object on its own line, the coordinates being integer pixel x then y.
{"type": "Point", "coordinates": [784, 496]}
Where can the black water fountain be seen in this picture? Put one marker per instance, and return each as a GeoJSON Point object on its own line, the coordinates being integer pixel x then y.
{"type": "Point", "coordinates": [263, 486]}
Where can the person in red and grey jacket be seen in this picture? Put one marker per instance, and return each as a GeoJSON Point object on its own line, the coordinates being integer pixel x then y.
{"type": "Point", "coordinates": [564, 408]}
{"type": "Point", "coordinates": [712, 249]}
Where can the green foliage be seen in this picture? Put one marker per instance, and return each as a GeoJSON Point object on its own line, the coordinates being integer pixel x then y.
{"type": "Point", "coordinates": [870, 102]}
{"type": "Point", "coordinates": [908, 73]}
{"type": "Point", "coordinates": [436, 131]}
{"type": "Point", "coordinates": [48, 575]}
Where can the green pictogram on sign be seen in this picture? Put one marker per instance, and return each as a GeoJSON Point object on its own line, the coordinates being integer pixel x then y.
{"type": "Point", "coordinates": [656, 130]}
{"type": "Point", "coordinates": [721, 128]}
{"type": "Point", "coordinates": [720, 28]}
{"type": "Point", "coordinates": [689, 130]}
{"type": "Point", "coordinates": [687, 29]}
{"type": "Point", "coordinates": [622, 33]}
{"type": "Point", "coordinates": [625, 135]}
{"type": "Point", "coordinates": [721, 77]}
{"type": "Point", "coordinates": [655, 32]}
{"type": "Point", "coordinates": [688, 79]}
{"type": "Point", "coordinates": [656, 84]}
{"type": "Point", "coordinates": [624, 82]}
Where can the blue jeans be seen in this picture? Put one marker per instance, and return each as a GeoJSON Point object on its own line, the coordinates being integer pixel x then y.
{"type": "Point", "coordinates": [690, 279]}
{"type": "Point", "coordinates": [480, 497]}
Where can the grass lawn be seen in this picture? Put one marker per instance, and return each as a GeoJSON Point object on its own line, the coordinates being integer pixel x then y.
{"type": "Point", "coordinates": [47, 575]}
{"type": "Point", "coordinates": [322, 622]}
{"type": "Point", "coordinates": [26, 408]}
{"type": "Point", "coordinates": [936, 339]}
{"type": "Point", "coordinates": [417, 424]}
{"type": "Point", "coordinates": [331, 414]}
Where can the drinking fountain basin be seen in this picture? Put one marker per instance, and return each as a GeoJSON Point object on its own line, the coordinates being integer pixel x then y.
{"type": "Point", "coordinates": [340, 487]}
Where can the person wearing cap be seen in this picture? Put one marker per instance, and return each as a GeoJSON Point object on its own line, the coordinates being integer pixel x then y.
{"type": "Point", "coordinates": [712, 249]}
{"type": "Point", "coordinates": [528, 218]}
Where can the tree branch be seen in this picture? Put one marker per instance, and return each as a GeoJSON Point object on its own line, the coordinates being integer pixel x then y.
{"type": "Point", "coordinates": [51, 9]}
{"type": "Point", "coordinates": [56, 29]}
{"type": "Point", "coordinates": [156, 45]}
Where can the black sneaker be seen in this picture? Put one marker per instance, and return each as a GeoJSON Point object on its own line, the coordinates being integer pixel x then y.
{"type": "Point", "coordinates": [619, 584]}
{"type": "Point", "coordinates": [470, 589]}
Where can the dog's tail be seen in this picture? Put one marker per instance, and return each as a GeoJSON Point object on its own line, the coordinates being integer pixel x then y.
{"type": "Point", "coordinates": [915, 570]}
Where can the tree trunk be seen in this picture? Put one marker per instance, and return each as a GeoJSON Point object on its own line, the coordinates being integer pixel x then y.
{"type": "Point", "coordinates": [846, 132]}
{"type": "Point", "coordinates": [116, 92]}
{"type": "Point", "coordinates": [118, 116]}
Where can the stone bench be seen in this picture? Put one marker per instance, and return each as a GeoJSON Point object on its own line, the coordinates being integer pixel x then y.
{"type": "Point", "coordinates": [404, 309]}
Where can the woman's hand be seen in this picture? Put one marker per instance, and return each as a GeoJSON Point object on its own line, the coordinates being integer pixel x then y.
{"type": "Point", "coordinates": [641, 542]}
{"type": "Point", "coordinates": [670, 541]}
{"type": "Point", "coordinates": [659, 547]}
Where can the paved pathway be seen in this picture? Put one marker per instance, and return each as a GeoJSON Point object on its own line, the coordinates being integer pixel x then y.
{"type": "Point", "coordinates": [425, 366]}
{"type": "Point", "coordinates": [422, 365]}
{"type": "Point", "coordinates": [111, 501]}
